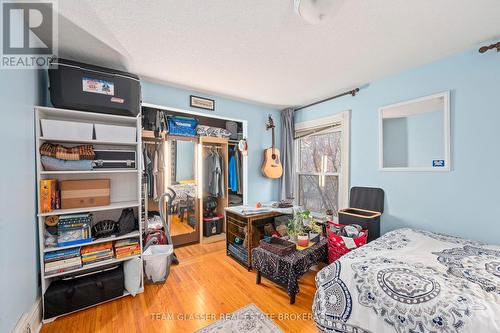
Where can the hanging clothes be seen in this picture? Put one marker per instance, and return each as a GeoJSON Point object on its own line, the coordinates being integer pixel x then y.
{"type": "Point", "coordinates": [214, 174]}
{"type": "Point", "coordinates": [154, 169]}
{"type": "Point", "coordinates": [232, 170]}
{"type": "Point", "coordinates": [239, 170]}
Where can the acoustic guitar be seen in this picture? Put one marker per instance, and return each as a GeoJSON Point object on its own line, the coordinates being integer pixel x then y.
{"type": "Point", "coordinates": [271, 167]}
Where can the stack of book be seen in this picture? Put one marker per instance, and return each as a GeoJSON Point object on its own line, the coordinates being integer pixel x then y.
{"type": "Point", "coordinates": [62, 261]}
{"type": "Point", "coordinates": [96, 253]}
{"type": "Point", "coordinates": [73, 229]}
{"type": "Point", "coordinates": [126, 248]}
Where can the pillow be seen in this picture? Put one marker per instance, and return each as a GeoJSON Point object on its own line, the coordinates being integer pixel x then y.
{"type": "Point", "coordinates": [132, 270]}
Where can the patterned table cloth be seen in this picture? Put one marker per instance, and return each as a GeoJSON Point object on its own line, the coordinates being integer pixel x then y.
{"type": "Point", "coordinates": [287, 270]}
{"type": "Point", "coordinates": [411, 281]}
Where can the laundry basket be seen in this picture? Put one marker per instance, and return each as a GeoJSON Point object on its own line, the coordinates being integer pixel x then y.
{"type": "Point", "coordinates": [157, 261]}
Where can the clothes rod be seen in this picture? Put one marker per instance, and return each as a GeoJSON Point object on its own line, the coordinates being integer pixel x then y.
{"type": "Point", "coordinates": [351, 92]}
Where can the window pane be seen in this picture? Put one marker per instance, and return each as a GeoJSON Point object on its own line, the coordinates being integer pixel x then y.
{"type": "Point", "coordinates": [318, 194]}
{"type": "Point", "coordinates": [320, 153]}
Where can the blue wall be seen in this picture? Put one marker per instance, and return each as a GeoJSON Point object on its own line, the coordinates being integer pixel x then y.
{"type": "Point", "coordinates": [259, 188]}
{"type": "Point", "coordinates": [463, 202]}
{"type": "Point", "coordinates": [20, 90]}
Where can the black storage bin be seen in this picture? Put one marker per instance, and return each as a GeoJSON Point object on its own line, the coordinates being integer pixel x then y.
{"type": "Point", "coordinates": [105, 159]}
{"type": "Point", "coordinates": [74, 85]}
{"type": "Point", "coordinates": [64, 296]}
{"type": "Point", "coordinates": [212, 225]}
{"type": "Point", "coordinates": [367, 205]}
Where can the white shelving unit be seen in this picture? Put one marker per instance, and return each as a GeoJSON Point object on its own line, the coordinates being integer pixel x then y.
{"type": "Point", "coordinates": [125, 186]}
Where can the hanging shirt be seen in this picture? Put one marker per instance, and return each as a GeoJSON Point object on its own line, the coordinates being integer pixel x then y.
{"type": "Point", "coordinates": [232, 171]}
{"type": "Point", "coordinates": [213, 172]}
{"type": "Point", "coordinates": [222, 182]}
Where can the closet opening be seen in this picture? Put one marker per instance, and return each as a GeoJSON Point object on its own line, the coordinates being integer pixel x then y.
{"type": "Point", "coordinates": [204, 173]}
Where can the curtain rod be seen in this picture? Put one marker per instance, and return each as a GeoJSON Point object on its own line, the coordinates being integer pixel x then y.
{"type": "Point", "coordinates": [351, 92]}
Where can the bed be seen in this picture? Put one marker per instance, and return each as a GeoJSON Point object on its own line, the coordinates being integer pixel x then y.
{"type": "Point", "coordinates": [411, 281]}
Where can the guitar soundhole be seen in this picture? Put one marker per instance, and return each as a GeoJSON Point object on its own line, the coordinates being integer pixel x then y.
{"type": "Point", "coordinates": [273, 156]}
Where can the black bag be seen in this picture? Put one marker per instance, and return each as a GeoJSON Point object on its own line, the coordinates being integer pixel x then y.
{"type": "Point", "coordinates": [63, 296]}
{"type": "Point", "coordinates": [74, 85]}
{"type": "Point", "coordinates": [114, 159]}
{"type": "Point", "coordinates": [126, 222]}
{"type": "Point", "coordinates": [367, 205]}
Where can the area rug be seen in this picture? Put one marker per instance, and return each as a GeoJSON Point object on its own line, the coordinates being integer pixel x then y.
{"type": "Point", "coordinates": [249, 319]}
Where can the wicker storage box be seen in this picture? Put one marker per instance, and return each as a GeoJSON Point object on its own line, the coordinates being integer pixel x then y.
{"type": "Point", "coordinates": [277, 246]}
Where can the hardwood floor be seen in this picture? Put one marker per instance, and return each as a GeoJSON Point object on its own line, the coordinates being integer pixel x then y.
{"type": "Point", "coordinates": [203, 286]}
{"type": "Point", "coordinates": [179, 228]}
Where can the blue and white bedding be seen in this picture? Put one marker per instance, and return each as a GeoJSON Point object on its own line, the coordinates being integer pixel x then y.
{"type": "Point", "coordinates": [411, 281]}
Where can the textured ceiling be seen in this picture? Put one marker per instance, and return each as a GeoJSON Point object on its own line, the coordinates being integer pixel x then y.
{"type": "Point", "coordinates": [260, 50]}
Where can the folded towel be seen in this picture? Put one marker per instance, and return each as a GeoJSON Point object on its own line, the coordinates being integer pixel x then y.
{"type": "Point", "coordinates": [54, 164]}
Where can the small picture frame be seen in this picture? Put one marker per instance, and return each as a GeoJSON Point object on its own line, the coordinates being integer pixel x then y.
{"type": "Point", "coordinates": [201, 103]}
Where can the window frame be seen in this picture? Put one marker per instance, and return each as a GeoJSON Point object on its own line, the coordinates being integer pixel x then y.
{"type": "Point", "coordinates": [343, 121]}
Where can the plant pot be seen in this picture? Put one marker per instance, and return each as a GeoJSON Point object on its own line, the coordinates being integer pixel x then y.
{"type": "Point", "coordinates": [293, 239]}
{"type": "Point", "coordinates": [303, 240]}
{"type": "Point", "coordinates": [314, 237]}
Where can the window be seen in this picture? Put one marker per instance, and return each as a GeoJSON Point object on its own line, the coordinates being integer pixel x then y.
{"type": "Point", "coordinates": [320, 179]}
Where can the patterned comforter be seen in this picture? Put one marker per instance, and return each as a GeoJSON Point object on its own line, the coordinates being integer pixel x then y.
{"type": "Point", "coordinates": [411, 281]}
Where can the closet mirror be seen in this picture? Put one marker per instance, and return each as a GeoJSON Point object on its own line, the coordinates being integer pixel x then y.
{"type": "Point", "coordinates": [415, 135]}
{"type": "Point", "coordinates": [182, 180]}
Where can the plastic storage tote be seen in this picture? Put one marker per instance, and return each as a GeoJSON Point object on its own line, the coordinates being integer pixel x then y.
{"type": "Point", "coordinates": [157, 261]}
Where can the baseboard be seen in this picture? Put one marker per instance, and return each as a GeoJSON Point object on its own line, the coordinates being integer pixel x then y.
{"type": "Point", "coordinates": [31, 322]}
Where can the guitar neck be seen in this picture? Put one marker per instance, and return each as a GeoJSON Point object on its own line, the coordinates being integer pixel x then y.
{"type": "Point", "coordinates": [273, 138]}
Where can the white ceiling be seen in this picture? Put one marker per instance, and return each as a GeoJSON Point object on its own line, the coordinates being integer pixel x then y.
{"type": "Point", "coordinates": [260, 50]}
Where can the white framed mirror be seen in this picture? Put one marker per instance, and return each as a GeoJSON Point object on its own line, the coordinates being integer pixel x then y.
{"type": "Point", "coordinates": [415, 135]}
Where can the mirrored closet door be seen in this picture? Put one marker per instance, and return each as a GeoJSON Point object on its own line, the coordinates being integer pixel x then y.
{"type": "Point", "coordinates": [182, 180]}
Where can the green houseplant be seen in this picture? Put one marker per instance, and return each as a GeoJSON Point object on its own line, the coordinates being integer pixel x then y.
{"type": "Point", "coordinates": [300, 225]}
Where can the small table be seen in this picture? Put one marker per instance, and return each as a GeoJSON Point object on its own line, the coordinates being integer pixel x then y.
{"type": "Point", "coordinates": [287, 270]}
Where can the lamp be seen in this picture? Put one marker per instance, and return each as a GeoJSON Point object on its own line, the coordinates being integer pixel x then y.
{"type": "Point", "coordinates": [316, 11]}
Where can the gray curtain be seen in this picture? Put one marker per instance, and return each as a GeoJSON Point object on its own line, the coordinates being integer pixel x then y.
{"type": "Point", "coordinates": [287, 134]}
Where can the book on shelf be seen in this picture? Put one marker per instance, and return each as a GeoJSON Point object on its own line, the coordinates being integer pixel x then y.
{"type": "Point", "coordinates": [94, 257]}
{"type": "Point", "coordinates": [97, 247]}
{"type": "Point", "coordinates": [62, 270]}
{"type": "Point", "coordinates": [98, 260]}
{"type": "Point", "coordinates": [128, 247]}
{"type": "Point", "coordinates": [128, 254]}
{"type": "Point", "coordinates": [62, 263]}
{"type": "Point", "coordinates": [63, 267]}
{"type": "Point", "coordinates": [61, 253]}
{"type": "Point", "coordinates": [69, 256]}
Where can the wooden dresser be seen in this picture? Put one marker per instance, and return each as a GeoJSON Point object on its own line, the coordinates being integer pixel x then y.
{"type": "Point", "coordinates": [249, 228]}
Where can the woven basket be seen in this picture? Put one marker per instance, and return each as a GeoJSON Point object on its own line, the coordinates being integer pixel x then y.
{"type": "Point", "coordinates": [278, 246]}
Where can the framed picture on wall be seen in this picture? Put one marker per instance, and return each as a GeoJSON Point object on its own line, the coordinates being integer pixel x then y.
{"type": "Point", "coordinates": [201, 103]}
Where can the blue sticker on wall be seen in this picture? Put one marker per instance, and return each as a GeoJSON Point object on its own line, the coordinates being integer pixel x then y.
{"type": "Point", "coordinates": [438, 163]}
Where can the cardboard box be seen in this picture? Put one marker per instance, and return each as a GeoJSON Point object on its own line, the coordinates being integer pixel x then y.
{"type": "Point", "coordinates": [48, 195]}
{"type": "Point", "coordinates": [85, 193]}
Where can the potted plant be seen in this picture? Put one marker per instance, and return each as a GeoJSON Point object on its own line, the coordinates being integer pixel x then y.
{"type": "Point", "coordinates": [314, 231]}
{"type": "Point", "coordinates": [299, 227]}
{"type": "Point", "coordinates": [312, 227]}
